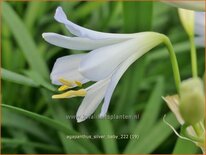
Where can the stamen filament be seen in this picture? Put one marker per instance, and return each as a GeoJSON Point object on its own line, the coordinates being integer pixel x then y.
{"type": "Point", "coordinates": [64, 87]}
{"type": "Point", "coordinates": [71, 93]}
{"type": "Point", "coordinates": [69, 84]}
{"type": "Point", "coordinates": [66, 82]}
{"type": "Point", "coordinates": [78, 83]}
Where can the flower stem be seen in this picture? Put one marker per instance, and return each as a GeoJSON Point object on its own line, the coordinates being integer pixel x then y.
{"type": "Point", "coordinates": [193, 57]}
{"type": "Point", "coordinates": [174, 62]}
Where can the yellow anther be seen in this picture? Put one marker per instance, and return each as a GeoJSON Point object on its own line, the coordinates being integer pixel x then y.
{"type": "Point", "coordinates": [62, 88]}
{"type": "Point", "coordinates": [71, 93]}
{"type": "Point", "coordinates": [66, 82]}
{"type": "Point", "coordinates": [78, 83]}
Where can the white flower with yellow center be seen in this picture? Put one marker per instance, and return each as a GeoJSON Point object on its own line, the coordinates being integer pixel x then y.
{"type": "Point", "coordinates": [110, 57]}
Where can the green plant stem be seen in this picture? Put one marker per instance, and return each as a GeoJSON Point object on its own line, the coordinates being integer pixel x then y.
{"type": "Point", "coordinates": [174, 62]}
{"type": "Point", "coordinates": [193, 57]}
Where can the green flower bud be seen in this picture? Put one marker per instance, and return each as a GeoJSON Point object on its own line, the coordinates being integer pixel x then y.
{"type": "Point", "coordinates": [192, 101]}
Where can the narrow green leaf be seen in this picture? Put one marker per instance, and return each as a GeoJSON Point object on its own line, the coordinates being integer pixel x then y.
{"type": "Point", "coordinates": [157, 135]}
{"type": "Point", "coordinates": [24, 40]}
{"type": "Point", "coordinates": [8, 141]}
{"type": "Point", "coordinates": [137, 16]}
{"type": "Point", "coordinates": [10, 119]}
{"type": "Point", "coordinates": [6, 46]}
{"type": "Point", "coordinates": [59, 114]}
{"type": "Point", "coordinates": [184, 147]}
{"type": "Point", "coordinates": [20, 134]}
{"type": "Point", "coordinates": [40, 80]}
{"type": "Point", "coordinates": [69, 146]}
{"type": "Point", "coordinates": [87, 8]}
{"type": "Point", "coordinates": [17, 78]}
{"type": "Point", "coordinates": [31, 13]}
{"type": "Point", "coordinates": [54, 124]}
{"type": "Point", "coordinates": [106, 128]}
{"type": "Point", "coordinates": [136, 19]}
{"type": "Point", "coordinates": [150, 114]}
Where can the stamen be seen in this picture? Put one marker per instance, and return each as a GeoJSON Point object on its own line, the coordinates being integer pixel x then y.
{"type": "Point", "coordinates": [66, 82]}
{"type": "Point", "coordinates": [69, 84]}
{"type": "Point", "coordinates": [71, 93]}
{"type": "Point", "coordinates": [62, 88]}
{"type": "Point", "coordinates": [78, 83]}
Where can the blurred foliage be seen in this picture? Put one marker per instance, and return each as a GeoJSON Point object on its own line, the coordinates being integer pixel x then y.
{"type": "Point", "coordinates": [33, 123]}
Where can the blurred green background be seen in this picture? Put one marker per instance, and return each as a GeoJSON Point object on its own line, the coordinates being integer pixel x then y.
{"type": "Point", "coordinates": [34, 123]}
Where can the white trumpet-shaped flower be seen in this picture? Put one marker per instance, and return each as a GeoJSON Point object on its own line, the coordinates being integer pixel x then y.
{"type": "Point", "coordinates": [110, 56]}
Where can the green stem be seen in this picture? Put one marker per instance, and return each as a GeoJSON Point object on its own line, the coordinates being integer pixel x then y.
{"type": "Point", "coordinates": [193, 57]}
{"type": "Point", "coordinates": [174, 62]}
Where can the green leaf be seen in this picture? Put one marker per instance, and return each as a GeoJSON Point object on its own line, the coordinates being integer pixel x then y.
{"type": "Point", "coordinates": [24, 40]}
{"type": "Point", "coordinates": [20, 134]}
{"type": "Point", "coordinates": [31, 15]}
{"type": "Point", "coordinates": [55, 125]}
{"type": "Point", "coordinates": [135, 19]}
{"type": "Point", "coordinates": [85, 9]}
{"type": "Point", "coordinates": [157, 135]}
{"type": "Point", "coordinates": [106, 128]}
{"type": "Point", "coordinates": [8, 141]}
{"type": "Point", "coordinates": [10, 119]}
{"type": "Point", "coordinates": [150, 114]}
{"type": "Point", "coordinates": [40, 80]}
{"type": "Point", "coordinates": [17, 78]}
{"type": "Point", "coordinates": [59, 114]}
{"type": "Point", "coordinates": [184, 147]}
{"type": "Point", "coordinates": [137, 16]}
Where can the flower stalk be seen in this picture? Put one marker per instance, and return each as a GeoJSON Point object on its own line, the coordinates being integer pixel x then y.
{"type": "Point", "coordinates": [173, 58]}
{"type": "Point", "coordinates": [193, 57]}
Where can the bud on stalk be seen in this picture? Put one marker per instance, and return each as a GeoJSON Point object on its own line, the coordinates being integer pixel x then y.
{"type": "Point", "coordinates": [192, 101]}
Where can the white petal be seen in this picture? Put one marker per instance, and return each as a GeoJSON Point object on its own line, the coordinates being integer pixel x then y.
{"type": "Point", "coordinates": [77, 30]}
{"type": "Point", "coordinates": [101, 62]}
{"type": "Point", "coordinates": [115, 79]}
{"type": "Point", "coordinates": [191, 5]}
{"type": "Point", "coordinates": [67, 68]}
{"type": "Point", "coordinates": [77, 43]}
{"type": "Point", "coordinates": [94, 96]}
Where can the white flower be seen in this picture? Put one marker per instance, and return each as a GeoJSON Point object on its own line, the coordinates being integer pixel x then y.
{"type": "Point", "coordinates": [190, 5]}
{"type": "Point", "coordinates": [110, 57]}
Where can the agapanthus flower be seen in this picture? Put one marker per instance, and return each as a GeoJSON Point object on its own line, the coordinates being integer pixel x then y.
{"type": "Point", "coordinates": [110, 56]}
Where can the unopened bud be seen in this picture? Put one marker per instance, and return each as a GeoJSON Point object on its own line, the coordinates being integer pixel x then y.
{"type": "Point", "coordinates": [192, 101]}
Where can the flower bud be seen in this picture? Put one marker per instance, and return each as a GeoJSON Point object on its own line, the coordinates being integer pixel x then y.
{"type": "Point", "coordinates": [192, 101]}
